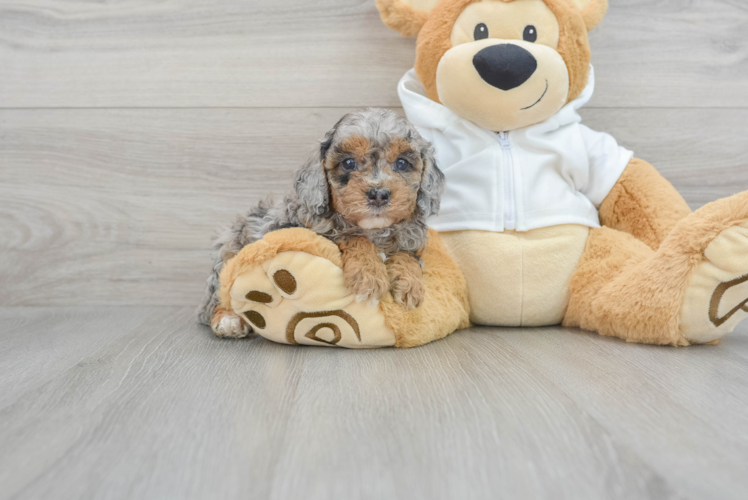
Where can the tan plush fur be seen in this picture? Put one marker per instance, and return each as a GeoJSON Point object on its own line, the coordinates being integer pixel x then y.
{"type": "Point", "coordinates": [283, 240]}
{"type": "Point", "coordinates": [434, 40]}
{"type": "Point", "coordinates": [365, 273]}
{"type": "Point", "coordinates": [593, 12]}
{"type": "Point", "coordinates": [643, 204]}
{"type": "Point", "coordinates": [624, 289]}
{"type": "Point", "coordinates": [574, 46]}
{"type": "Point", "coordinates": [607, 254]}
{"type": "Point", "coordinates": [445, 304]}
{"type": "Point", "coordinates": [401, 17]}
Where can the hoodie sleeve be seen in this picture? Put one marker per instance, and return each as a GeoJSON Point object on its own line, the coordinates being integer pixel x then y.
{"type": "Point", "coordinates": [607, 161]}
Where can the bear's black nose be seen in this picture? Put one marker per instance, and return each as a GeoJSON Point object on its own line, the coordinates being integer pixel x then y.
{"type": "Point", "coordinates": [505, 66]}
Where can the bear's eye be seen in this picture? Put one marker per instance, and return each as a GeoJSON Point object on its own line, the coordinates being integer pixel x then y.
{"type": "Point", "coordinates": [402, 164]}
{"type": "Point", "coordinates": [481, 32]}
{"type": "Point", "coordinates": [530, 34]}
{"type": "Point", "coordinates": [349, 164]}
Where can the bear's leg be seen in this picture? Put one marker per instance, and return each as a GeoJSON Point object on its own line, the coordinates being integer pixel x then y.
{"type": "Point", "coordinates": [644, 204]}
{"type": "Point", "coordinates": [290, 287]}
{"type": "Point", "coordinates": [692, 290]}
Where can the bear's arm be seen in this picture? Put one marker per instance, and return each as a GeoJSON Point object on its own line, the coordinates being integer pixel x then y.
{"type": "Point", "coordinates": [643, 204]}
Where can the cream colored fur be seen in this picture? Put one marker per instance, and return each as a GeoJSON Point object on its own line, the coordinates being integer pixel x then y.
{"type": "Point", "coordinates": [518, 279]}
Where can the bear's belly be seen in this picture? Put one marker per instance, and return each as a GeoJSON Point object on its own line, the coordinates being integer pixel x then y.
{"type": "Point", "coordinates": [518, 279]}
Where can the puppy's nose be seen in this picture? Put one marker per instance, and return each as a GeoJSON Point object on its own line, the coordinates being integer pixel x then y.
{"type": "Point", "coordinates": [378, 197]}
{"type": "Point", "coordinates": [505, 66]}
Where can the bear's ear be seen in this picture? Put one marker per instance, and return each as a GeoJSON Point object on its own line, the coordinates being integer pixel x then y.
{"type": "Point", "coordinates": [405, 16]}
{"type": "Point", "coordinates": [593, 11]}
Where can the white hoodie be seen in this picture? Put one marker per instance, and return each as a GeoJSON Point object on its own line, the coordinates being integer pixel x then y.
{"type": "Point", "coordinates": [555, 172]}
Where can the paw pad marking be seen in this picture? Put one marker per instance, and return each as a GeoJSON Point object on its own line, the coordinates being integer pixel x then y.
{"type": "Point", "coordinates": [717, 298]}
{"type": "Point", "coordinates": [312, 333]}
{"type": "Point", "coordinates": [715, 301]}
{"type": "Point", "coordinates": [256, 319]}
{"type": "Point", "coordinates": [261, 297]}
{"type": "Point", "coordinates": [310, 304]}
{"type": "Point", "coordinates": [285, 281]}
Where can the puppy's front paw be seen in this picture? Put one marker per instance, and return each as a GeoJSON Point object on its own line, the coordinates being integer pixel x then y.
{"type": "Point", "coordinates": [363, 270]}
{"type": "Point", "coordinates": [369, 283]}
{"type": "Point", "coordinates": [228, 325]}
{"type": "Point", "coordinates": [406, 280]}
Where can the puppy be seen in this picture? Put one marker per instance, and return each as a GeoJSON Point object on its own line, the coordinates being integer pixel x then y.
{"type": "Point", "coordinates": [369, 188]}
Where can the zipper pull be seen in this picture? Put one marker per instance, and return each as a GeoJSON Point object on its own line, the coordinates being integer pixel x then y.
{"type": "Point", "coordinates": [504, 140]}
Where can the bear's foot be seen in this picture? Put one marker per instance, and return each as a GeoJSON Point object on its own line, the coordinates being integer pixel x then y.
{"type": "Point", "coordinates": [717, 297]}
{"type": "Point", "coordinates": [692, 290]}
{"type": "Point", "coordinates": [290, 288]}
{"type": "Point", "coordinates": [295, 296]}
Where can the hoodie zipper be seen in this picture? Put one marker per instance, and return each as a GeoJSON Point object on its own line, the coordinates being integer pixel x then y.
{"type": "Point", "coordinates": [510, 198]}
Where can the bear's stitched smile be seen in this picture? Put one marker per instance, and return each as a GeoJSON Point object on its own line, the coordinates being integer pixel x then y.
{"type": "Point", "coordinates": [541, 97]}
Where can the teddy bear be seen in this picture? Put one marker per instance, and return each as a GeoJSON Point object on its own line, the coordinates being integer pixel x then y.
{"type": "Point", "coordinates": [543, 221]}
{"type": "Point", "coordinates": [549, 221]}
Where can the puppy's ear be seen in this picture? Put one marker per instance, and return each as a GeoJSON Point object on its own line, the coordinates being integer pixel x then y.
{"type": "Point", "coordinates": [405, 16]}
{"type": "Point", "coordinates": [593, 11]}
{"type": "Point", "coordinates": [432, 185]}
{"type": "Point", "coordinates": [311, 182]}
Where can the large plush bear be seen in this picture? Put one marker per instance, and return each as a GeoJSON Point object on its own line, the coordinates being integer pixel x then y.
{"type": "Point", "coordinates": [543, 221]}
{"type": "Point", "coordinates": [550, 221]}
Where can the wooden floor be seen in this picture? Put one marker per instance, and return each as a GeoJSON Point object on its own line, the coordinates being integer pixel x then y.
{"type": "Point", "coordinates": [129, 130]}
{"type": "Point", "coordinates": [141, 403]}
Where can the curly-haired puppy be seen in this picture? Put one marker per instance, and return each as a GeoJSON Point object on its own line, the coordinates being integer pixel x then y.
{"type": "Point", "coordinates": [369, 188]}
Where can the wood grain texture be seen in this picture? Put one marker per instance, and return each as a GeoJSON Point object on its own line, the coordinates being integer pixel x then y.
{"type": "Point", "coordinates": [36, 344]}
{"type": "Point", "coordinates": [166, 410]}
{"type": "Point", "coordinates": [670, 405]}
{"type": "Point", "coordinates": [108, 207]}
{"type": "Point", "coordinates": [296, 53]}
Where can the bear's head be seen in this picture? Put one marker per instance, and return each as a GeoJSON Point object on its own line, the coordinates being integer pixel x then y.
{"type": "Point", "coordinates": [502, 64]}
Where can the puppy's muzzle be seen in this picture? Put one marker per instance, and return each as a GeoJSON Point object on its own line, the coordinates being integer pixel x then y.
{"type": "Point", "coordinates": [505, 66]}
{"type": "Point", "coordinates": [378, 197]}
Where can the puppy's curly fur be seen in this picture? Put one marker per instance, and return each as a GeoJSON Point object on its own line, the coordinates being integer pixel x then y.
{"type": "Point", "coordinates": [369, 188]}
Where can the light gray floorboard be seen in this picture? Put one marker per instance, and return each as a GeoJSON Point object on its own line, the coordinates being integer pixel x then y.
{"type": "Point", "coordinates": [37, 343]}
{"type": "Point", "coordinates": [289, 53]}
{"type": "Point", "coordinates": [676, 408]}
{"type": "Point", "coordinates": [121, 205]}
{"type": "Point", "coordinates": [165, 410]}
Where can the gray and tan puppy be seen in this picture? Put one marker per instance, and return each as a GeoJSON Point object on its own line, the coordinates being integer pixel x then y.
{"type": "Point", "coordinates": [369, 188]}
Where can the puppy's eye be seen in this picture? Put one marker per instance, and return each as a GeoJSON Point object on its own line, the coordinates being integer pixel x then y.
{"type": "Point", "coordinates": [349, 164]}
{"type": "Point", "coordinates": [530, 34]}
{"type": "Point", "coordinates": [481, 32]}
{"type": "Point", "coordinates": [402, 164]}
